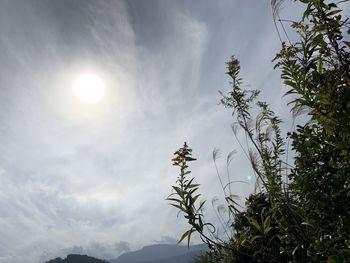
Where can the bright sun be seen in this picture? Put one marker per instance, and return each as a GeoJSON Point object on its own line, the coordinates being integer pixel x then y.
{"type": "Point", "coordinates": [89, 88]}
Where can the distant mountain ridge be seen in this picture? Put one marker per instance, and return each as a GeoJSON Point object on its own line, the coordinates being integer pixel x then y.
{"type": "Point", "coordinates": [77, 259]}
{"type": "Point", "coordinates": [162, 253]}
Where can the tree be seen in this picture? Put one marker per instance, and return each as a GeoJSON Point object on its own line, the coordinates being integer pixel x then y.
{"type": "Point", "coordinates": [307, 219]}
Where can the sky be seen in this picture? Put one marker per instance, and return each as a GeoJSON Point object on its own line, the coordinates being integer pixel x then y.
{"type": "Point", "coordinates": [93, 178]}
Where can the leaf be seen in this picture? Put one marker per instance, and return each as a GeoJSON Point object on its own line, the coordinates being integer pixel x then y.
{"type": "Point", "coordinates": [174, 200]}
{"type": "Point", "coordinates": [195, 198]}
{"type": "Point", "coordinates": [255, 237]}
{"type": "Point", "coordinates": [179, 207]}
{"type": "Point", "coordinates": [178, 191]}
{"type": "Point", "coordinates": [184, 235]}
{"type": "Point", "coordinates": [201, 206]}
{"type": "Point", "coordinates": [267, 230]}
{"type": "Point", "coordinates": [291, 84]}
{"type": "Point", "coordinates": [307, 224]}
{"type": "Point", "coordinates": [334, 12]}
{"type": "Point", "coordinates": [255, 224]}
{"type": "Point", "coordinates": [331, 259]}
{"type": "Point", "coordinates": [192, 186]}
{"type": "Point", "coordinates": [295, 250]}
{"type": "Point", "coordinates": [267, 222]}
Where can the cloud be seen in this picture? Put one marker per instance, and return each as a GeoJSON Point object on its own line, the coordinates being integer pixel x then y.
{"type": "Point", "coordinates": [122, 246]}
{"type": "Point", "coordinates": [167, 240]}
{"type": "Point", "coordinates": [99, 250]}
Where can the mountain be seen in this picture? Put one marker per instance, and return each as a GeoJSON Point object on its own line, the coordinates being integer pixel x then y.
{"type": "Point", "coordinates": [150, 254]}
{"type": "Point", "coordinates": [162, 254]}
{"type": "Point", "coordinates": [77, 259]}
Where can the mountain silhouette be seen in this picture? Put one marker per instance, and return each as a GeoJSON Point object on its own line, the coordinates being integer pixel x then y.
{"type": "Point", "coordinates": [77, 259]}
{"type": "Point", "coordinates": [162, 253]}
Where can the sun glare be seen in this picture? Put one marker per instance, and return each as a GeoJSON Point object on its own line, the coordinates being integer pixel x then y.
{"type": "Point", "coordinates": [89, 88]}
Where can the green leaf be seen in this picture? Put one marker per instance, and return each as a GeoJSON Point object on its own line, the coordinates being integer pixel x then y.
{"type": "Point", "coordinates": [331, 259]}
{"type": "Point", "coordinates": [192, 185]}
{"type": "Point", "coordinates": [201, 206]}
{"type": "Point", "coordinates": [179, 207]}
{"type": "Point", "coordinates": [187, 234]}
{"type": "Point", "coordinates": [179, 191]}
{"type": "Point", "coordinates": [267, 222]}
{"type": "Point", "coordinates": [184, 235]}
{"type": "Point", "coordinates": [195, 198]}
{"type": "Point", "coordinates": [334, 12]}
{"type": "Point", "coordinates": [255, 224]}
{"type": "Point", "coordinates": [267, 230]}
{"type": "Point", "coordinates": [174, 200]}
{"type": "Point", "coordinates": [255, 238]}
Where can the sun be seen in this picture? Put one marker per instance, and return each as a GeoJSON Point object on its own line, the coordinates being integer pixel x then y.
{"type": "Point", "coordinates": [89, 88]}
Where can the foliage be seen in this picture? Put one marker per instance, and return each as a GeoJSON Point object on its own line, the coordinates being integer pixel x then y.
{"type": "Point", "coordinates": [185, 193]}
{"type": "Point", "coordinates": [317, 71]}
{"type": "Point", "coordinates": [305, 216]}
